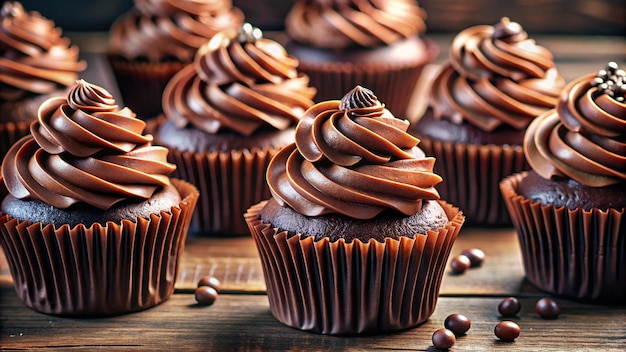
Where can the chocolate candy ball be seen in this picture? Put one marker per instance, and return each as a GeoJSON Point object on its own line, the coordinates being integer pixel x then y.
{"type": "Point", "coordinates": [507, 330]}
{"type": "Point", "coordinates": [475, 255]}
{"type": "Point", "coordinates": [205, 295]}
{"type": "Point", "coordinates": [547, 308]}
{"type": "Point", "coordinates": [459, 264]}
{"type": "Point", "coordinates": [457, 323]}
{"type": "Point", "coordinates": [509, 307]}
{"type": "Point", "coordinates": [443, 339]}
{"type": "Point", "coordinates": [211, 282]}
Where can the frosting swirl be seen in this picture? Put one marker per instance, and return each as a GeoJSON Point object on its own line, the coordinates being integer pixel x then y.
{"type": "Point", "coordinates": [158, 30]}
{"type": "Point", "coordinates": [495, 76]}
{"type": "Point", "coordinates": [239, 81]}
{"type": "Point", "coordinates": [583, 138]}
{"type": "Point", "coordinates": [352, 157]}
{"type": "Point", "coordinates": [345, 23]}
{"type": "Point", "coordinates": [34, 56]}
{"type": "Point", "coordinates": [84, 150]}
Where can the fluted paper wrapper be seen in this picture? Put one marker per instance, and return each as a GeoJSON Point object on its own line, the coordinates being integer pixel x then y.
{"type": "Point", "coordinates": [229, 183]}
{"type": "Point", "coordinates": [579, 254]}
{"type": "Point", "coordinates": [392, 83]}
{"type": "Point", "coordinates": [95, 270]}
{"type": "Point", "coordinates": [352, 288]}
{"type": "Point", "coordinates": [471, 174]}
{"type": "Point", "coordinates": [141, 84]}
{"type": "Point", "coordinates": [10, 133]}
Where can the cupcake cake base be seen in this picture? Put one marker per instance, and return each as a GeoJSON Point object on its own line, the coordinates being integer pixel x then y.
{"type": "Point", "coordinates": [352, 287]}
{"type": "Point", "coordinates": [575, 253]}
{"type": "Point", "coordinates": [92, 270]}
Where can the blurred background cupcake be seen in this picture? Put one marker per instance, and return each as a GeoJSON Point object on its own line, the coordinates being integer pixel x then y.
{"type": "Point", "coordinates": [152, 41]}
{"type": "Point", "coordinates": [225, 115]}
{"type": "Point", "coordinates": [90, 222]}
{"type": "Point", "coordinates": [376, 44]}
{"type": "Point", "coordinates": [37, 62]}
{"type": "Point", "coordinates": [495, 82]}
{"type": "Point", "coordinates": [569, 210]}
{"type": "Point", "coordinates": [354, 239]}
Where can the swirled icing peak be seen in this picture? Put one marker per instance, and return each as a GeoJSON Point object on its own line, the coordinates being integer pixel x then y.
{"type": "Point", "coordinates": [352, 157]}
{"type": "Point", "coordinates": [347, 23]}
{"type": "Point", "coordinates": [359, 98]}
{"type": "Point", "coordinates": [35, 58]}
{"type": "Point", "coordinates": [84, 150]}
{"type": "Point", "coordinates": [495, 76]}
{"type": "Point", "coordinates": [584, 137]}
{"type": "Point", "coordinates": [239, 81]}
{"type": "Point", "coordinates": [158, 30]}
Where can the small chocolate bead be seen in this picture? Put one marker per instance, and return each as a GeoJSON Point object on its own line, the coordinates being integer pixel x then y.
{"type": "Point", "coordinates": [211, 282]}
{"type": "Point", "coordinates": [205, 295]}
{"type": "Point", "coordinates": [547, 308]}
{"type": "Point", "coordinates": [507, 330]}
{"type": "Point", "coordinates": [459, 264]}
{"type": "Point", "coordinates": [443, 339]}
{"type": "Point", "coordinates": [509, 307]}
{"type": "Point", "coordinates": [459, 324]}
{"type": "Point", "coordinates": [597, 81]}
{"type": "Point", "coordinates": [475, 255]}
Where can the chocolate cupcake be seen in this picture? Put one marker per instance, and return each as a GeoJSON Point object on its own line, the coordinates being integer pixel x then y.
{"type": "Point", "coordinates": [355, 239]}
{"type": "Point", "coordinates": [495, 82]}
{"type": "Point", "coordinates": [37, 63]}
{"type": "Point", "coordinates": [569, 209]}
{"type": "Point", "coordinates": [225, 116]}
{"type": "Point", "coordinates": [90, 222]}
{"type": "Point", "coordinates": [156, 39]}
{"type": "Point", "coordinates": [379, 45]}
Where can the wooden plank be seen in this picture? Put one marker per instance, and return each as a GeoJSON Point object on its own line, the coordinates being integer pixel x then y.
{"type": "Point", "coordinates": [243, 322]}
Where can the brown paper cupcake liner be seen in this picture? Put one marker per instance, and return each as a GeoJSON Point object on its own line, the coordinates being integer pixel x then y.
{"type": "Point", "coordinates": [352, 288]}
{"type": "Point", "coordinates": [471, 174]}
{"type": "Point", "coordinates": [141, 84]}
{"type": "Point", "coordinates": [393, 84]}
{"type": "Point", "coordinates": [95, 270]}
{"type": "Point", "coordinates": [229, 183]}
{"type": "Point", "coordinates": [578, 254]}
{"type": "Point", "coordinates": [10, 133]}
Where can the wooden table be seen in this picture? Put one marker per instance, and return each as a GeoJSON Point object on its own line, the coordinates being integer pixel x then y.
{"type": "Point", "coordinates": [240, 318]}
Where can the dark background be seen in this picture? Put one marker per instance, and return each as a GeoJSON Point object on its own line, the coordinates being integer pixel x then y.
{"type": "Point", "coordinates": [588, 17]}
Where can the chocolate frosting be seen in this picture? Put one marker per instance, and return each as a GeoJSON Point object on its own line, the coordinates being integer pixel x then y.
{"type": "Point", "coordinates": [34, 56]}
{"type": "Point", "coordinates": [84, 150]}
{"type": "Point", "coordinates": [495, 76]}
{"type": "Point", "coordinates": [583, 138]}
{"type": "Point", "coordinates": [158, 30]}
{"type": "Point", "coordinates": [241, 82]}
{"type": "Point", "coordinates": [341, 24]}
{"type": "Point", "coordinates": [352, 157]}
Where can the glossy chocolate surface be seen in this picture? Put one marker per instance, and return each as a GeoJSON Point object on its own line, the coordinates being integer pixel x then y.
{"type": "Point", "coordinates": [496, 75]}
{"type": "Point", "coordinates": [342, 24]}
{"type": "Point", "coordinates": [583, 138]}
{"type": "Point", "coordinates": [238, 82]}
{"type": "Point", "coordinates": [35, 57]}
{"type": "Point", "coordinates": [352, 157]}
{"type": "Point", "coordinates": [170, 30]}
{"type": "Point", "coordinates": [83, 149]}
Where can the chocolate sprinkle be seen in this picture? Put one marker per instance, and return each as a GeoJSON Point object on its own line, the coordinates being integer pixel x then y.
{"type": "Point", "coordinates": [249, 34]}
{"type": "Point", "coordinates": [611, 81]}
{"type": "Point", "coordinates": [11, 9]}
{"type": "Point", "coordinates": [509, 31]}
{"type": "Point", "coordinates": [358, 98]}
